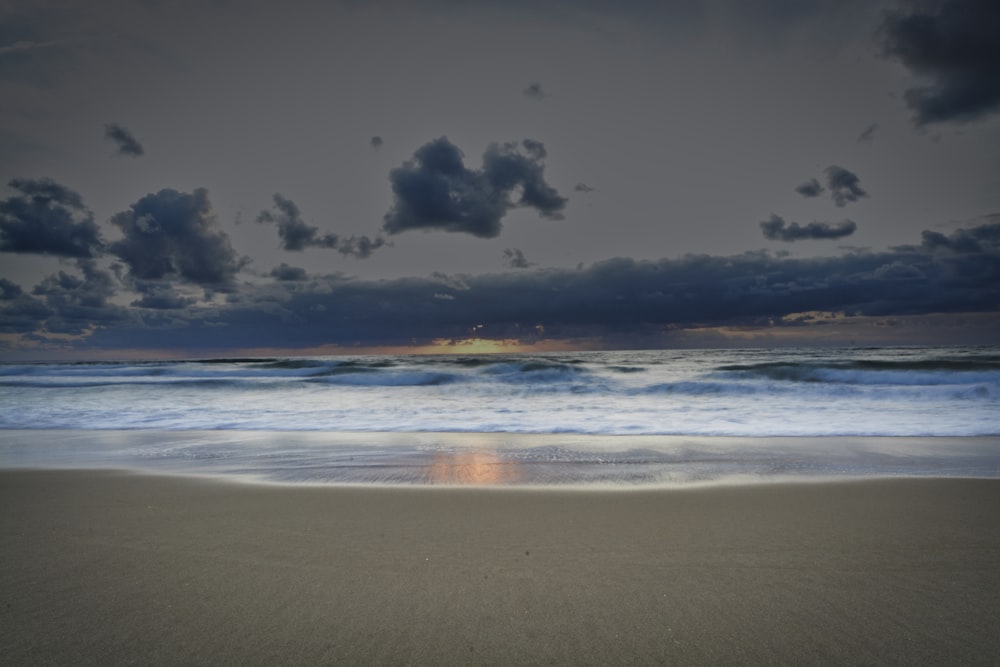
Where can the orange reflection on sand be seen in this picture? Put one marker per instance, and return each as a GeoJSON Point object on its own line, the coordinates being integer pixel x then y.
{"type": "Point", "coordinates": [472, 467]}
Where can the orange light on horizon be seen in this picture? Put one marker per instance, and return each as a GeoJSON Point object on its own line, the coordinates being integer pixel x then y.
{"type": "Point", "coordinates": [473, 346]}
{"type": "Point", "coordinates": [498, 346]}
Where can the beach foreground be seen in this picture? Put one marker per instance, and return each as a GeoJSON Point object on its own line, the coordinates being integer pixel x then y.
{"type": "Point", "coordinates": [114, 568]}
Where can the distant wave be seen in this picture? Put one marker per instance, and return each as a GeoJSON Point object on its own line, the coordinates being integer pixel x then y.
{"type": "Point", "coordinates": [703, 387]}
{"type": "Point", "coordinates": [883, 391]}
{"type": "Point", "coordinates": [875, 372]}
{"type": "Point", "coordinates": [370, 378]}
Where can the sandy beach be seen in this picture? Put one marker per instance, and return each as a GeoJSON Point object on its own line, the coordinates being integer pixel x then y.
{"type": "Point", "coordinates": [120, 568]}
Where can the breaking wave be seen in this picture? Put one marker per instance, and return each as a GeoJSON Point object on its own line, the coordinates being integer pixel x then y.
{"type": "Point", "coordinates": [905, 391]}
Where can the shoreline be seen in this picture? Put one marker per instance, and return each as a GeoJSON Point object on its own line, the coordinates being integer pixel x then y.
{"type": "Point", "coordinates": [729, 482]}
{"type": "Point", "coordinates": [502, 459]}
{"type": "Point", "coordinates": [113, 567]}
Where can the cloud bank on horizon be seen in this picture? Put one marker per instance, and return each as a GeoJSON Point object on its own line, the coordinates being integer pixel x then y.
{"type": "Point", "coordinates": [636, 239]}
{"type": "Point", "coordinates": [172, 242]}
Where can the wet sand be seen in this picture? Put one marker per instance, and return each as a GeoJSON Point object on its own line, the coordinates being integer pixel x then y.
{"type": "Point", "coordinates": [120, 568]}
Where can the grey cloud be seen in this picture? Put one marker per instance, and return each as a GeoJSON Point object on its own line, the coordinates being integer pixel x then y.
{"type": "Point", "coordinates": [582, 187]}
{"type": "Point", "coordinates": [777, 229]}
{"type": "Point", "coordinates": [612, 300]}
{"type": "Point", "coordinates": [124, 140]}
{"type": "Point", "coordinates": [534, 91]}
{"type": "Point", "coordinates": [954, 47]}
{"type": "Point", "coordinates": [456, 283]}
{"type": "Point", "coordinates": [845, 186]}
{"type": "Point", "coordinates": [534, 149]}
{"type": "Point", "coordinates": [285, 272]}
{"type": "Point", "coordinates": [435, 190]}
{"type": "Point", "coordinates": [868, 136]}
{"type": "Point", "coordinates": [49, 219]}
{"type": "Point", "coordinates": [513, 258]}
{"type": "Point", "coordinates": [93, 289]}
{"type": "Point", "coordinates": [165, 299]}
{"type": "Point", "coordinates": [810, 188]}
{"type": "Point", "coordinates": [79, 303]}
{"type": "Point", "coordinates": [506, 169]}
{"type": "Point", "coordinates": [160, 295]}
{"type": "Point", "coordinates": [375, 142]}
{"type": "Point", "coordinates": [977, 240]}
{"type": "Point", "coordinates": [297, 235]}
{"type": "Point", "coordinates": [360, 246]}
{"type": "Point", "coordinates": [9, 290]}
{"type": "Point", "coordinates": [20, 312]}
{"type": "Point", "coordinates": [898, 271]}
{"type": "Point", "coordinates": [175, 235]}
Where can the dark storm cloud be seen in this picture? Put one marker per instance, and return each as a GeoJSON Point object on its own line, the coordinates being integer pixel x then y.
{"type": "Point", "coordinates": [954, 46]}
{"type": "Point", "coordinates": [94, 288]}
{"type": "Point", "coordinates": [810, 188]}
{"type": "Point", "coordinates": [47, 219]}
{"type": "Point", "coordinates": [845, 186]}
{"type": "Point", "coordinates": [77, 303]}
{"type": "Point", "coordinates": [777, 229]}
{"type": "Point", "coordinates": [288, 273]}
{"type": "Point", "coordinates": [615, 300]}
{"type": "Point", "coordinates": [9, 290]}
{"type": "Point", "coordinates": [974, 241]}
{"type": "Point", "coordinates": [160, 295]}
{"type": "Point", "coordinates": [435, 190]}
{"type": "Point", "coordinates": [534, 91]}
{"type": "Point", "coordinates": [175, 235]}
{"type": "Point", "coordinates": [375, 142]}
{"type": "Point", "coordinates": [20, 312]}
{"type": "Point", "coordinates": [506, 169]}
{"type": "Point", "coordinates": [513, 258]}
{"type": "Point", "coordinates": [124, 140]}
{"type": "Point", "coordinates": [297, 235]}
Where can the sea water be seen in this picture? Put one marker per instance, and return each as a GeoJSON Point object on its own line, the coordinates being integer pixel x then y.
{"type": "Point", "coordinates": [553, 418]}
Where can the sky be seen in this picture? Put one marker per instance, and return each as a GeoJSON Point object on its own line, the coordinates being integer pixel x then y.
{"type": "Point", "coordinates": [190, 179]}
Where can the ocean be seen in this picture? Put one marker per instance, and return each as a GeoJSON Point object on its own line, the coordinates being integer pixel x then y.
{"type": "Point", "coordinates": [634, 417]}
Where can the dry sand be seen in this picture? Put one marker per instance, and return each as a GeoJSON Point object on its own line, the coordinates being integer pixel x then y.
{"type": "Point", "coordinates": [116, 568]}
